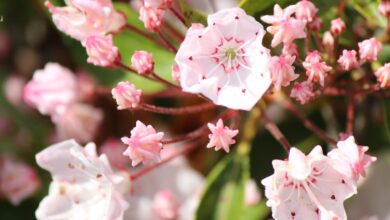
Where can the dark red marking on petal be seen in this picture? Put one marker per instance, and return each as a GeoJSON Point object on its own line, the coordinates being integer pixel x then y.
{"type": "Point", "coordinates": [333, 197]}
{"type": "Point", "coordinates": [190, 58]}
{"type": "Point", "coordinates": [236, 17]}
{"type": "Point", "coordinates": [228, 39]}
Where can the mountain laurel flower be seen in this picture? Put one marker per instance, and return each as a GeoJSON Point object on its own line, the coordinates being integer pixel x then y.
{"type": "Point", "coordinates": [144, 144]}
{"type": "Point", "coordinates": [313, 57]}
{"type": "Point", "coordinates": [126, 95]}
{"type": "Point", "coordinates": [351, 159]}
{"type": "Point", "coordinates": [83, 186]}
{"type": "Point", "coordinates": [348, 60]}
{"type": "Point", "coordinates": [101, 50]}
{"type": "Point", "coordinates": [328, 41]}
{"type": "Point", "coordinates": [282, 71]}
{"type": "Point", "coordinates": [83, 18]}
{"type": "Point", "coordinates": [370, 49]}
{"type": "Point", "coordinates": [290, 50]}
{"type": "Point", "coordinates": [175, 70]}
{"type": "Point", "coordinates": [152, 17]}
{"type": "Point", "coordinates": [337, 26]}
{"type": "Point", "coordinates": [165, 205]}
{"type": "Point", "coordinates": [284, 28]}
{"type": "Point", "coordinates": [226, 61]}
{"type": "Point", "coordinates": [316, 70]}
{"type": "Point", "coordinates": [307, 187]}
{"type": "Point", "coordinates": [142, 62]}
{"type": "Point", "coordinates": [305, 10]}
{"type": "Point", "coordinates": [302, 92]}
{"type": "Point", "coordinates": [161, 4]}
{"type": "Point", "coordinates": [383, 75]}
{"type": "Point", "coordinates": [384, 8]}
{"type": "Point", "coordinates": [221, 136]}
{"type": "Point", "coordinates": [51, 89]}
{"type": "Point", "coordinates": [13, 178]}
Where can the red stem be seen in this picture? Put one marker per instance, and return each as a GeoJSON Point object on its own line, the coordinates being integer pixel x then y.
{"type": "Point", "coordinates": [163, 81]}
{"type": "Point", "coordinates": [177, 111]}
{"type": "Point", "coordinates": [276, 133]}
{"type": "Point", "coordinates": [168, 44]}
{"type": "Point", "coordinates": [350, 115]}
{"type": "Point", "coordinates": [179, 16]}
{"type": "Point", "coordinates": [144, 34]}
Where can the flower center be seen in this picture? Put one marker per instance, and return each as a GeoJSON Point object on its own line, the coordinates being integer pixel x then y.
{"type": "Point", "coordinates": [230, 53]}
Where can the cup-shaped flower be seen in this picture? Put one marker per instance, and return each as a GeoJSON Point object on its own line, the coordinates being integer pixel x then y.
{"type": "Point", "coordinates": [142, 62]}
{"type": "Point", "coordinates": [282, 71]}
{"type": "Point", "coordinates": [126, 95]}
{"type": "Point", "coordinates": [83, 18]}
{"type": "Point", "coordinates": [144, 144]}
{"type": "Point", "coordinates": [221, 136]}
{"type": "Point", "coordinates": [370, 49]}
{"type": "Point", "coordinates": [226, 61]}
{"type": "Point", "coordinates": [348, 60]}
{"type": "Point", "coordinates": [101, 50]}
{"type": "Point", "coordinates": [383, 75]}
{"type": "Point", "coordinates": [83, 186]}
{"type": "Point", "coordinates": [52, 89]}
{"type": "Point", "coordinates": [284, 27]}
{"type": "Point", "coordinates": [302, 92]}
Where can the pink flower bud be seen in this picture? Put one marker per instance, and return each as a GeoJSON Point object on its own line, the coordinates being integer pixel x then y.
{"type": "Point", "coordinates": [126, 95]}
{"type": "Point", "coordinates": [316, 70]}
{"type": "Point", "coordinates": [302, 92]}
{"type": "Point", "coordinates": [151, 17]}
{"type": "Point", "coordinates": [337, 26]}
{"type": "Point", "coordinates": [160, 4]}
{"type": "Point", "coordinates": [165, 205]}
{"type": "Point", "coordinates": [290, 50]}
{"type": "Point", "coordinates": [315, 25]}
{"type": "Point", "coordinates": [252, 193]}
{"type": "Point", "coordinates": [370, 49]}
{"type": "Point", "coordinates": [142, 62]}
{"type": "Point", "coordinates": [383, 75]}
{"type": "Point", "coordinates": [144, 144]}
{"type": "Point", "coordinates": [313, 57]}
{"type": "Point", "coordinates": [18, 181]}
{"type": "Point", "coordinates": [175, 72]}
{"type": "Point", "coordinates": [305, 10]}
{"type": "Point", "coordinates": [384, 8]}
{"type": "Point", "coordinates": [101, 50]}
{"type": "Point", "coordinates": [221, 136]}
{"type": "Point", "coordinates": [13, 89]}
{"type": "Point", "coordinates": [282, 71]}
{"type": "Point", "coordinates": [328, 40]}
{"type": "Point", "coordinates": [348, 60]}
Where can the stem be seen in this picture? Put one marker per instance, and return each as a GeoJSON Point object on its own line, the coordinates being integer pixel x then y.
{"type": "Point", "coordinates": [179, 16]}
{"type": "Point", "coordinates": [342, 7]}
{"type": "Point", "coordinates": [144, 34]}
{"type": "Point", "coordinates": [276, 133]}
{"type": "Point", "coordinates": [307, 123]}
{"type": "Point", "coordinates": [350, 115]}
{"type": "Point", "coordinates": [167, 43]}
{"type": "Point", "coordinates": [177, 111]}
{"type": "Point", "coordinates": [163, 81]}
{"type": "Point", "coordinates": [194, 134]}
{"type": "Point", "coordinates": [173, 32]}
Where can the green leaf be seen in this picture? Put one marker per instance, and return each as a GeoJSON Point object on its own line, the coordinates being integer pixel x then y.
{"type": "Point", "coordinates": [256, 212]}
{"type": "Point", "coordinates": [369, 10]}
{"type": "Point", "coordinates": [384, 57]}
{"type": "Point", "coordinates": [192, 15]}
{"type": "Point", "coordinates": [253, 7]}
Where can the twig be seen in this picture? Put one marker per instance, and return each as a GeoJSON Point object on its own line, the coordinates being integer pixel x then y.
{"type": "Point", "coordinates": [276, 133]}
{"type": "Point", "coordinates": [167, 43]}
{"type": "Point", "coordinates": [350, 115]}
{"type": "Point", "coordinates": [178, 111]}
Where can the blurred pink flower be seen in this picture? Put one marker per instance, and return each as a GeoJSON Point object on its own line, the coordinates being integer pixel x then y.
{"type": "Point", "coordinates": [351, 159]}
{"type": "Point", "coordinates": [315, 25]}
{"type": "Point", "coordinates": [175, 72]}
{"type": "Point", "coordinates": [151, 17]}
{"type": "Point", "coordinates": [313, 57]}
{"type": "Point", "coordinates": [226, 61]}
{"type": "Point", "coordinates": [18, 180]}
{"type": "Point", "coordinates": [290, 50]}
{"type": "Point", "coordinates": [307, 187]}
{"type": "Point", "coordinates": [328, 40]}
{"type": "Point", "coordinates": [384, 8]}
{"type": "Point", "coordinates": [348, 60]}
{"type": "Point", "coordinates": [13, 89]}
{"type": "Point", "coordinates": [221, 136]}
{"type": "Point", "coordinates": [52, 89]}
{"type": "Point", "coordinates": [316, 70]}
{"type": "Point", "coordinates": [144, 144]}
{"type": "Point", "coordinates": [302, 92]}
{"type": "Point", "coordinates": [126, 95]}
{"type": "Point", "coordinates": [282, 71]}
{"type": "Point", "coordinates": [337, 26]}
{"type": "Point", "coordinates": [161, 4]}
{"type": "Point", "coordinates": [284, 28]}
{"type": "Point", "coordinates": [370, 49]}
{"type": "Point", "coordinates": [305, 10]}
{"type": "Point", "coordinates": [113, 149]}
{"type": "Point", "coordinates": [83, 18]}
{"type": "Point", "coordinates": [252, 193]}
{"type": "Point", "coordinates": [80, 122]}
{"type": "Point", "coordinates": [83, 186]}
{"type": "Point", "coordinates": [142, 62]}
{"type": "Point", "coordinates": [166, 205]}
{"type": "Point", "coordinates": [101, 50]}
{"type": "Point", "coordinates": [383, 75]}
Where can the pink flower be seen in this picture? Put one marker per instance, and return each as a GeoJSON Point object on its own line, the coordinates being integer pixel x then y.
{"type": "Point", "coordinates": [166, 205]}
{"type": "Point", "coordinates": [113, 149]}
{"type": "Point", "coordinates": [252, 194]}
{"type": "Point", "coordinates": [302, 92]}
{"type": "Point", "coordinates": [337, 26]}
{"type": "Point", "coordinates": [161, 4]}
{"type": "Point", "coordinates": [316, 70]}
{"type": "Point", "coordinates": [307, 187]}
{"type": "Point", "coordinates": [226, 61]}
{"type": "Point", "coordinates": [52, 89]}
{"type": "Point", "coordinates": [384, 8]}
{"type": "Point", "coordinates": [126, 95]}
{"type": "Point", "coordinates": [305, 10]}
{"type": "Point", "coordinates": [348, 60]}
{"type": "Point", "coordinates": [101, 50]}
{"type": "Point", "coordinates": [83, 18]}
{"type": "Point", "coordinates": [175, 72]}
{"type": "Point", "coordinates": [144, 144]}
{"type": "Point", "coordinates": [328, 41]}
{"type": "Point", "coordinates": [290, 50]}
{"type": "Point", "coordinates": [221, 136]}
{"type": "Point", "coordinates": [80, 122]}
{"type": "Point", "coordinates": [351, 158]}
{"type": "Point", "coordinates": [282, 71]}
{"type": "Point", "coordinates": [315, 25]}
{"type": "Point", "coordinates": [83, 186]}
{"type": "Point", "coordinates": [382, 75]}
{"type": "Point", "coordinates": [13, 89]}
{"type": "Point", "coordinates": [151, 17]}
{"type": "Point", "coordinates": [284, 28]}
{"type": "Point", "coordinates": [370, 49]}
{"type": "Point", "coordinates": [18, 180]}
{"type": "Point", "coordinates": [142, 62]}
